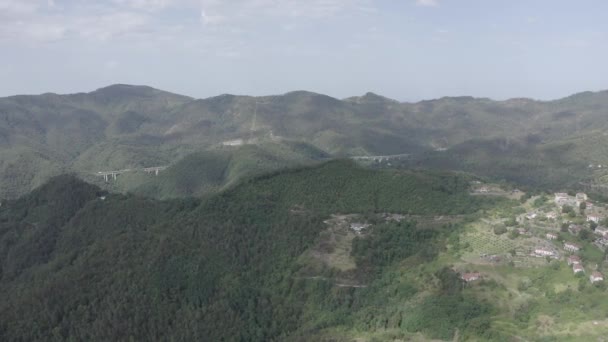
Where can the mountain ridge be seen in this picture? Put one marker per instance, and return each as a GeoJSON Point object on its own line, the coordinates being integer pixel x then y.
{"type": "Point", "coordinates": [125, 126]}
{"type": "Point", "coordinates": [117, 86]}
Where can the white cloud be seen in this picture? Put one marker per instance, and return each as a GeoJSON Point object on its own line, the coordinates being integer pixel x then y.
{"type": "Point", "coordinates": [428, 3]}
{"type": "Point", "coordinates": [110, 65]}
{"type": "Point", "coordinates": [110, 25]}
{"type": "Point", "coordinates": [251, 10]}
{"type": "Point", "coordinates": [149, 5]}
{"type": "Point", "coordinates": [211, 19]}
{"type": "Point", "coordinates": [154, 22]}
{"type": "Point", "coordinates": [18, 6]}
{"type": "Point", "coordinates": [30, 21]}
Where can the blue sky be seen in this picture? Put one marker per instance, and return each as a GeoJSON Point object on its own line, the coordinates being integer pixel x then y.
{"type": "Point", "coordinates": [404, 49]}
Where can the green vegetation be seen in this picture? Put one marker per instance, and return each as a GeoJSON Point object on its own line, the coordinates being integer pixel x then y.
{"type": "Point", "coordinates": [534, 143]}
{"type": "Point", "coordinates": [81, 264]}
{"type": "Point", "coordinates": [207, 172]}
{"type": "Point", "coordinates": [237, 246]}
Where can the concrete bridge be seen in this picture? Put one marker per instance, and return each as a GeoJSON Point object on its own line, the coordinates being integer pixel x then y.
{"type": "Point", "coordinates": [111, 174]}
{"type": "Point", "coordinates": [154, 170]}
{"type": "Point", "coordinates": [108, 175]}
{"type": "Point", "coordinates": [382, 158]}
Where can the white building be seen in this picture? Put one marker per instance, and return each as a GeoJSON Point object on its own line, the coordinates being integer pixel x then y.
{"type": "Point", "coordinates": [581, 197]}
{"type": "Point", "coordinates": [602, 231]}
{"type": "Point", "coordinates": [468, 277]}
{"type": "Point", "coordinates": [571, 247]}
{"type": "Point", "coordinates": [531, 216]}
{"type": "Point", "coordinates": [574, 260]}
{"type": "Point", "coordinates": [595, 277]}
{"type": "Point", "coordinates": [543, 252]}
{"type": "Point", "coordinates": [358, 227]}
{"type": "Point", "coordinates": [560, 197]}
{"type": "Point", "coordinates": [551, 215]}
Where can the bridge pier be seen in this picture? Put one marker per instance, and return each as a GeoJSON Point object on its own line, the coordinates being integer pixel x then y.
{"type": "Point", "coordinates": [107, 175]}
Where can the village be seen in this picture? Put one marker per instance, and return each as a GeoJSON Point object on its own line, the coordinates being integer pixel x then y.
{"type": "Point", "coordinates": [565, 228]}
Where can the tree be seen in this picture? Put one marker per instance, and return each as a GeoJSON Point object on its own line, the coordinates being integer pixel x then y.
{"type": "Point", "coordinates": [449, 281]}
{"type": "Point", "coordinates": [500, 229]}
{"type": "Point", "coordinates": [512, 222]}
{"type": "Point", "coordinates": [585, 235]}
{"type": "Point", "coordinates": [582, 206]}
{"type": "Point", "coordinates": [539, 201]}
{"type": "Point", "coordinates": [564, 227]}
{"type": "Point", "coordinates": [592, 225]}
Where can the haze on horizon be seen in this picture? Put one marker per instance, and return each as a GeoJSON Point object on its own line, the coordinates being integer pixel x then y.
{"type": "Point", "coordinates": [408, 50]}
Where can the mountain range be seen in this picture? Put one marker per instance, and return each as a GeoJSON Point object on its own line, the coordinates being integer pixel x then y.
{"type": "Point", "coordinates": [299, 217]}
{"type": "Point", "coordinates": [132, 127]}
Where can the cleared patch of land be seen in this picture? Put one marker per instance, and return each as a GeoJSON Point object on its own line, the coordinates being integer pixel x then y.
{"type": "Point", "coordinates": [333, 248]}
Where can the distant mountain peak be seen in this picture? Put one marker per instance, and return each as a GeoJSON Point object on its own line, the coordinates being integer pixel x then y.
{"type": "Point", "coordinates": [128, 90]}
{"type": "Point", "coordinates": [303, 93]}
{"type": "Point", "coordinates": [370, 97]}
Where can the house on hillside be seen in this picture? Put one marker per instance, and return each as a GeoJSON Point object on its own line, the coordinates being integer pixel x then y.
{"type": "Point", "coordinates": [578, 268]}
{"type": "Point", "coordinates": [469, 277]}
{"type": "Point", "coordinates": [541, 251]}
{"type": "Point", "coordinates": [359, 227]}
{"type": "Point", "coordinates": [552, 215]}
{"type": "Point", "coordinates": [574, 260]}
{"type": "Point", "coordinates": [588, 205]}
{"type": "Point", "coordinates": [594, 218]}
{"type": "Point", "coordinates": [595, 277]}
{"type": "Point", "coordinates": [571, 247]}
{"type": "Point", "coordinates": [601, 231]}
{"type": "Point", "coordinates": [601, 243]}
{"type": "Point", "coordinates": [551, 236]}
{"type": "Point", "coordinates": [531, 216]}
{"type": "Point", "coordinates": [561, 197]}
{"type": "Point", "coordinates": [581, 196]}
{"type": "Point", "coordinates": [523, 231]}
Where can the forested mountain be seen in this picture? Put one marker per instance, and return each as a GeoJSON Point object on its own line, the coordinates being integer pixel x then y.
{"type": "Point", "coordinates": [77, 263]}
{"type": "Point", "coordinates": [122, 127]}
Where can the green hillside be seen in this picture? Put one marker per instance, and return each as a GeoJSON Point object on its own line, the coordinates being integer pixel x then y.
{"type": "Point", "coordinates": [210, 171]}
{"type": "Point", "coordinates": [130, 127]}
{"type": "Point", "coordinates": [226, 268]}
{"type": "Point", "coordinates": [279, 257]}
{"type": "Point", "coordinates": [553, 165]}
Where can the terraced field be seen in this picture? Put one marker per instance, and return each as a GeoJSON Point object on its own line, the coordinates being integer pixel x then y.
{"type": "Point", "coordinates": [481, 240]}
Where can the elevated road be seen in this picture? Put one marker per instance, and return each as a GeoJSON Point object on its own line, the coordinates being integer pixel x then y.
{"type": "Point", "coordinates": [108, 175]}
{"type": "Point", "coordinates": [382, 158]}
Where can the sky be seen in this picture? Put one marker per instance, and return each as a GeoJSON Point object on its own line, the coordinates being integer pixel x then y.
{"type": "Point", "coordinates": [408, 50]}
